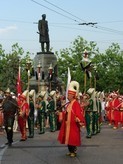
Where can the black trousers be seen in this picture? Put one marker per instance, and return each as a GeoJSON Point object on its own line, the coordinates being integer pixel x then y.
{"type": "Point", "coordinates": [31, 125]}
{"type": "Point", "coordinates": [9, 129]}
{"type": "Point", "coordinates": [72, 149]}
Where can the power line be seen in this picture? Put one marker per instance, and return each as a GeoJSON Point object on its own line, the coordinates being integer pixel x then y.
{"type": "Point", "coordinates": [63, 10]}
{"type": "Point", "coordinates": [104, 29]}
{"type": "Point", "coordinates": [116, 21]}
{"type": "Point", "coordinates": [19, 21]}
{"type": "Point", "coordinates": [110, 30]}
{"type": "Point", "coordinates": [85, 22]}
{"type": "Point", "coordinates": [90, 24]}
{"type": "Point", "coordinates": [53, 10]}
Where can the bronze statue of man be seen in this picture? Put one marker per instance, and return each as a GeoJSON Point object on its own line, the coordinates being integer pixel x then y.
{"type": "Point", "coordinates": [44, 33]}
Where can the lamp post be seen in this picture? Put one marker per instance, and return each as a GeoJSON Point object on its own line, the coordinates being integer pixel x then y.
{"type": "Point", "coordinates": [85, 59]}
{"type": "Point", "coordinates": [95, 81]}
{"type": "Point", "coordinates": [28, 66]}
{"type": "Point", "coordinates": [39, 75]}
{"type": "Point", "coordinates": [87, 69]}
{"type": "Point", "coordinates": [50, 76]}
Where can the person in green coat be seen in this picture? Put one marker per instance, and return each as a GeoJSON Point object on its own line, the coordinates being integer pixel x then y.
{"type": "Point", "coordinates": [31, 113]}
{"type": "Point", "coordinates": [99, 110]}
{"type": "Point", "coordinates": [52, 111]}
{"type": "Point", "coordinates": [89, 112]}
{"type": "Point", "coordinates": [41, 107]}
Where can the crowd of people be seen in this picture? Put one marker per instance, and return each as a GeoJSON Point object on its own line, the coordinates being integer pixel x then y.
{"type": "Point", "coordinates": [45, 110]}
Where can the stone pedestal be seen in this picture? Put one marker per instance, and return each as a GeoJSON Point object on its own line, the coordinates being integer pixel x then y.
{"type": "Point", "coordinates": [45, 60]}
{"type": "Point", "coordinates": [37, 85]}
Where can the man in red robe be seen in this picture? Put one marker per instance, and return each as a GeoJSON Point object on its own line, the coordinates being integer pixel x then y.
{"type": "Point", "coordinates": [116, 106]}
{"type": "Point", "coordinates": [23, 114]}
{"type": "Point", "coordinates": [70, 129]}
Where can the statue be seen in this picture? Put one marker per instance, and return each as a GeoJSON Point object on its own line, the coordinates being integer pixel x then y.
{"type": "Point", "coordinates": [44, 33]}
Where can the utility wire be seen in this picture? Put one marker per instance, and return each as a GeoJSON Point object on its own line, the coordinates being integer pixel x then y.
{"type": "Point", "coordinates": [54, 10]}
{"type": "Point", "coordinates": [85, 22]}
{"type": "Point", "coordinates": [110, 30]}
{"type": "Point", "coordinates": [90, 24]}
{"type": "Point", "coordinates": [19, 21]}
{"type": "Point", "coordinates": [118, 21]}
{"type": "Point", "coordinates": [63, 10]}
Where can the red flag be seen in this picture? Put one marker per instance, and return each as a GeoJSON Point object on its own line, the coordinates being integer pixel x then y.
{"type": "Point", "coordinates": [19, 89]}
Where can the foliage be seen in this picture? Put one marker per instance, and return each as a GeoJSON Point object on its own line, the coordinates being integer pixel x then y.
{"type": "Point", "coordinates": [9, 64]}
{"type": "Point", "coordinates": [72, 57]}
{"type": "Point", "coordinates": [108, 66]}
{"type": "Point", "coordinates": [107, 70]}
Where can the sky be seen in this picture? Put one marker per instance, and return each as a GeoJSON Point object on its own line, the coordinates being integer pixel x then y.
{"type": "Point", "coordinates": [18, 23]}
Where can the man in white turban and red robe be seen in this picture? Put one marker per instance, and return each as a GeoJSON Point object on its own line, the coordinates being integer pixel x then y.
{"type": "Point", "coordinates": [116, 106]}
{"type": "Point", "coordinates": [70, 129]}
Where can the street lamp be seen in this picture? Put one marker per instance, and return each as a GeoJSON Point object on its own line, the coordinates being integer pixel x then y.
{"type": "Point", "coordinates": [39, 75]}
{"type": "Point", "coordinates": [95, 71]}
{"type": "Point", "coordinates": [87, 69]}
{"type": "Point", "coordinates": [85, 59]}
{"type": "Point", "coordinates": [50, 75]}
{"type": "Point", "coordinates": [28, 66]}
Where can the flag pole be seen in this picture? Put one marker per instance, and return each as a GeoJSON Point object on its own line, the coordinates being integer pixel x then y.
{"type": "Point", "coordinates": [68, 82]}
{"type": "Point", "coordinates": [85, 76]}
{"type": "Point", "coordinates": [19, 87]}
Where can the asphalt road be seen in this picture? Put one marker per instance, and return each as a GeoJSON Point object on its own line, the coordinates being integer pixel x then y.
{"type": "Point", "coordinates": [103, 148]}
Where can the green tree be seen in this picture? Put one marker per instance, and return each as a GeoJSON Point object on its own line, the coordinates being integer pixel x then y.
{"type": "Point", "coordinates": [9, 64]}
{"type": "Point", "coordinates": [71, 57]}
{"type": "Point", "coordinates": [109, 65]}
{"type": "Point", "coordinates": [110, 69]}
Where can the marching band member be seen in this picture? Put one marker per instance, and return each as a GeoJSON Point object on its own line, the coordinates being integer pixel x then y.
{"type": "Point", "coordinates": [116, 107]}
{"type": "Point", "coordinates": [51, 106]}
{"type": "Point", "coordinates": [31, 113]}
{"type": "Point", "coordinates": [109, 111]}
{"type": "Point", "coordinates": [99, 112]}
{"type": "Point", "coordinates": [41, 107]}
{"type": "Point", "coordinates": [23, 114]}
{"type": "Point", "coordinates": [89, 111]}
{"type": "Point", "coordinates": [1, 113]}
{"type": "Point", "coordinates": [121, 111]}
{"type": "Point", "coordinates": [69, 133]}
{"type": "Point", "coordinates": [10, 108]}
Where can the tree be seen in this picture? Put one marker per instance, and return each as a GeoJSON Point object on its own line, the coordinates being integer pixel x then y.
{"type": "Point", "coordinates": [71, 57]}
{"type": "Point", "coordinates": [109, 65]}
{"type": "Point", "coordinates": [110, 69]}
{"type": "Point", "coordinates": [9, 64]}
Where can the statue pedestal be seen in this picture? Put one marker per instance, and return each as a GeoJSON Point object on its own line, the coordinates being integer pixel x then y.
{"type": "Point", "coordinates": [37, 85]}
{"type": "Point", "coordinates": [45, 60]}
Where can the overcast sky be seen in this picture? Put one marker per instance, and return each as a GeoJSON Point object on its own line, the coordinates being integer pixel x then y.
{"type": "Point", "coordinates": [18, 20]}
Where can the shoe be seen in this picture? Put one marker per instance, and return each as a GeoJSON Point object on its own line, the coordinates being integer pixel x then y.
{"type": "Point", "coordinates": [41, 133]}
{"type": "Point", "coordinates": [30, 136]}
{"type": "Point", "coordinates": [10, 144]}
{"type": "Point", "coordinates": [75, 150]}
{"type": "Point", "coordinates": [114, 127]}
{"type": "Point", "coordinates": [68, 154]}
{"type": "Point", "coordinates": [88, 136]}
{"type": "Point", "coordinates": [94, 133]}
{"type": "Point", "coordinates": [6, 143]}
{"type": "Point", "coordinates": [72, 155]}
{"type": "Point", "coordinates": [22, 139]}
